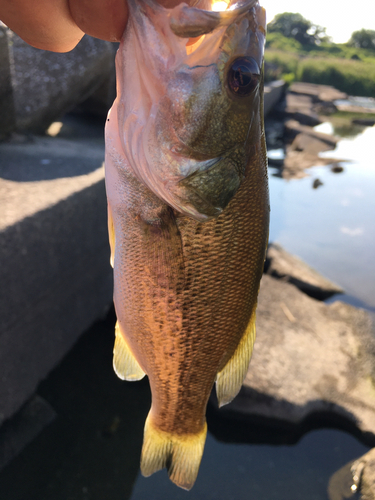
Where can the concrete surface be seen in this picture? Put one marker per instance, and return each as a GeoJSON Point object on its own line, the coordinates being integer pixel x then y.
{"type": "Point", "coordinates": [23, 428]}
{"type": "Point", "coordinates": [273, 92]}
{"type": "Point", "coordinates": [55, 274]}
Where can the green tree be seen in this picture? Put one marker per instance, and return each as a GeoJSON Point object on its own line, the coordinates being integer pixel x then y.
{"type": "Point", "coordinates": [363, 39]}
{"type": "Point", "coordinates": [295, 26]}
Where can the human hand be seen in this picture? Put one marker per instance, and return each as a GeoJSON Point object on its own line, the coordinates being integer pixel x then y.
{"type": "Point", "coordinates": [58, 25]}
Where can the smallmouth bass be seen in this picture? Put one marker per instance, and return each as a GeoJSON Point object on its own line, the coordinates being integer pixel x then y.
{"type": "Point", "coordinates": [188, 215]}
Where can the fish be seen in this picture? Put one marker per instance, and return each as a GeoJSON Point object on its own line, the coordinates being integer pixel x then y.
{"type": "Point", "coordinates": [188, 214]}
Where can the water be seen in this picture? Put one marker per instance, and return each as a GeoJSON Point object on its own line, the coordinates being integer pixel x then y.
{"type": "Point", "coordinates": [363, 102]}
{"type": "Point", "coordinates": [332, 227]}
{"type": "Point", "coordinates": [261, 472]}
{"type": "Point", "coordinates": [91, 451]}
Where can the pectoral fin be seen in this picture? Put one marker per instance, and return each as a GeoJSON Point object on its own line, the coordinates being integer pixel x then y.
{"type": "Point", "coordinates": [124, 363]}
{"type": "Point", "coordinates": [111, 234]}
{"type": "Point", "coordinates": [229, 380]}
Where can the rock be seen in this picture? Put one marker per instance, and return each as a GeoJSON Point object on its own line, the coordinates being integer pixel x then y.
{"type": "Point", "coordinates": [283, 265]}
{"type": "Point", "coordinates": [325, 108]}
{"type": "Point", "coordinates": [54, 256]}
{"type": "Point", "coordinates": [299, 107]}
{"type": "Point", "coordinates": [317, 183]}
{"type": "Point", "coordinates": [355, 477]}
{"type": "Point", "coordinates": [307, 118]}
{"type": "Point", "coordinates": [273, 92]}
{"type": "Point", "coordinates": [292, 128]}
{"type": "Point", "coordinates": [367, 122]}
{"type": "Point", "coordinates": [298, 103]}
{"type": "Point", "coordinates": [303, 151]}
{"type": "Point", "coordinates": [39, 86]}
{"type": "Point", "coordinates": [367, 482]}
{"type": "Point", "coordinates": [337, 168]}
{"type": "Point", "coordinates": [352, 108]}
{"type": "Point", "coordinates": [309, 358]}
{"type": "Point", "coordinates": [296, 162]}
{"type": "Point", "coordinates": [317, 92]}
{"type": "Point", "coordinates": [309, 144]}
{"type": "Point", "coordinates": [342, 484]}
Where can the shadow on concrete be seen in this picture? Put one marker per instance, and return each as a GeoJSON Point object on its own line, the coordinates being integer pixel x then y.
{"type": "Point", "coordinates": [91, 450]}
{"type": "Point", "coordinates": [77, 149]}
{"type": "Point", "coordinates": [230, 427]}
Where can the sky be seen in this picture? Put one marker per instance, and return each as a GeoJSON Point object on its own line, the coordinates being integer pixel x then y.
{"type": "Point", "coordinates": [340, 18]}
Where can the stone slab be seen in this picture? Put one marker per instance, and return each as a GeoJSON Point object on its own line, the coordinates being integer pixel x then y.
{"type": "Point", "coordinates": [54, 257]}
{"type": "Point", "coordinates": [309, 358]}
{"type": "Point", "coordinates": [292, 128]}
{"type": "Point", "coordinates": [283, 265]}
{"type": "Point", "coordinates": [309, 144]}
{"type": "Point", "coordinates": [296, 163]}
{"type": "Point", "coordinates": [317, 92]}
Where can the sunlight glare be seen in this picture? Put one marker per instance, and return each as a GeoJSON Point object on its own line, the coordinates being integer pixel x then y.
{"type": "Point", "coordinates": [219, 6]}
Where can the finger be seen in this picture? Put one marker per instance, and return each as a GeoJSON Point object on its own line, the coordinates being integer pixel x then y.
{"type": "Point", "coordinates": [45, 24]}
{"type": "Point", "coordinates": [105, 19]}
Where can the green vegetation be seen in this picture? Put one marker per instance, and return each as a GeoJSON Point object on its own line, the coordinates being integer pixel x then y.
{"type": "Point", "coordinates": [297, 27]}
{"type": "Point", "coordinates": [352, 77]}
{"type": "Point", "coordinates": [297, 50]}
{"type": "Point", "coordinates": [364, 39]}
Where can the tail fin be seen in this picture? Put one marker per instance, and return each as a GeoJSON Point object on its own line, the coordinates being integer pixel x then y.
{"type": "Point", "coordinates": [180, 454]}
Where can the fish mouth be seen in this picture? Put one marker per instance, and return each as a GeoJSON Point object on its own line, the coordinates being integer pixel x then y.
{"type": "Point", "coordinates": [210, 188]}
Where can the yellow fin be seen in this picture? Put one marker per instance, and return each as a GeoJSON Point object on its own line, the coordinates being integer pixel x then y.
{"type": "Point", "coordinates": [112, 237]}
{"type": "Point", "coordinates": [124, 363]}
{"type": "Point", "coordinates": [180, 454]}
{"type": "Point", "coordinates": [229, 379]}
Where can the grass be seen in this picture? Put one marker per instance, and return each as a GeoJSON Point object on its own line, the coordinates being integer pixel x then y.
{"type": "Point", "coordinates": [353, 77]}
{"type": "Point", "coordinates": [348, 69]}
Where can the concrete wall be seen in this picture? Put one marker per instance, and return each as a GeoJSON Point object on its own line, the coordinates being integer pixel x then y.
{"type": "Point", "coordinates": [55, 277]}
{"type": "Point", "coordinates": [273, 92]}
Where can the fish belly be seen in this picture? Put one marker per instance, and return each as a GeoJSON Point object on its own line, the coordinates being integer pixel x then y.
{"type": "Point", "coordinates": [185, 294]}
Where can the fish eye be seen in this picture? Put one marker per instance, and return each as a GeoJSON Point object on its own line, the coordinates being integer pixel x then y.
{"type": "Point", "coordinates": [243, 76]}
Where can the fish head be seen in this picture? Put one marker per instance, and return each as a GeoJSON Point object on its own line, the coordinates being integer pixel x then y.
{"type": "Point", "coordinates": [190, 101]}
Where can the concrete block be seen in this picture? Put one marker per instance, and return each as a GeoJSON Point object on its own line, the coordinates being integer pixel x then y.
{"type": "Point", "coordinates": [38, 86]}
{"type": "Point", "coordinates": [7, 115]}
{"type": "Point", "coordinates": [54, 257]}
{"type": "Point", "coordinates": [273, 92]}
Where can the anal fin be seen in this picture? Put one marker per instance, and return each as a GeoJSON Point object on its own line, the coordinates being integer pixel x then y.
{"type": "Point", "coordinates": [124, 363]}
{"type": "Point", "coordinates": [229, 380]}
{"type": "Point", "coordinates": [181, 454]}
